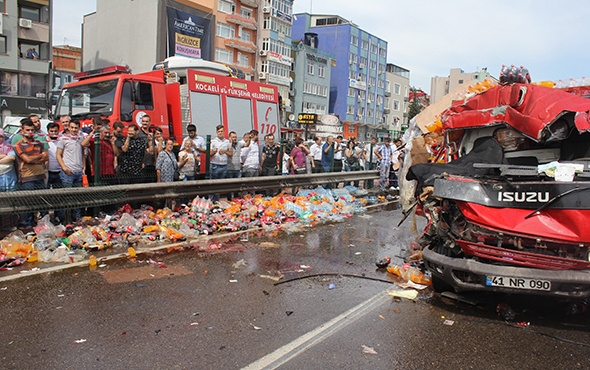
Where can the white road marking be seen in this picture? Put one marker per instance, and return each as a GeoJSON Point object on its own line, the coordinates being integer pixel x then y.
{"type": "Point", "coordinates": [308, 340]}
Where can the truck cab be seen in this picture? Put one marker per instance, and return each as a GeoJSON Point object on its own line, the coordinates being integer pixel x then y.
{"type": "Point", "coordinates": [117, 95]}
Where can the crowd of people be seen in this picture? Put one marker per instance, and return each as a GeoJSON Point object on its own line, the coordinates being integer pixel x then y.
{"type": "Point", "coordinates": [35, 159]}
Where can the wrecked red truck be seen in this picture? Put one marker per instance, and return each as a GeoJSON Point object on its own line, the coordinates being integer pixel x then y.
{"type": "Point", "coordinates": [508, 209]}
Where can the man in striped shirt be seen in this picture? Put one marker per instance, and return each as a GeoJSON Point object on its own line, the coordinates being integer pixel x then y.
{"type": "Point", "coordinates": [32, 155]}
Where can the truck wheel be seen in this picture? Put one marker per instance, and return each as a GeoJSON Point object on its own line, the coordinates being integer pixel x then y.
{"type": "Point", "coordinates": [439, 285]}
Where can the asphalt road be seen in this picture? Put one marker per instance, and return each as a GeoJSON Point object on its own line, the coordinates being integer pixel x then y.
{"type": "Point", "coordinates": [195, 309]}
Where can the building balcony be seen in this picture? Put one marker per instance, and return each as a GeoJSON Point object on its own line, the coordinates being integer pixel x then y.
{"type": "Point", "coordinates": [386, 110]}
{"type": "Point", "coordinates": [38, 32]}
{"type": "Point", "coordinates": [251, 3]}
{"type": "Point", "coordinates": [388, 93]}
{"type": "Point", "coordinates": [244, 67]}
{"type": "Point", "coordinates": [33, 65]}
{"type": "Point", "coordinates": [246, 22]}
{"type": "Point", "coordinates": [244, 46]}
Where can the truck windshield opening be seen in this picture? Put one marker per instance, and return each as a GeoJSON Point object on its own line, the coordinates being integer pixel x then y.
{"type": "Point", "coordinates": [83, 100]}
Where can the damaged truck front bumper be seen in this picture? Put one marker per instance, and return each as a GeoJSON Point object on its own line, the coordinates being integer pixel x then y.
{"type": "Point", "coordinates": [468, 274]}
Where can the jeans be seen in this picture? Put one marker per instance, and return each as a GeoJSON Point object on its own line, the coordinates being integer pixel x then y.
{"type": "Point", "coordinates": [384, 174]}
{"type": "Point", "coordinates": [233, 174]}
{"type": "Point", "coordinates": [269, 171]}
{"type": "Point", "coordinates": [347, 168]}
{"type": "Point", "coordinates": [54, 182]}
{"type": "Point", "coordinates": [368, 167]}
{"type": "Point", "coordinates": [317, 167]}
{"type": "Point", "coordinates": [68, 181]}
{"type": "Point", "coordinates": [31, 185]}
{"type": "Point", "coordinates": [217, 172]}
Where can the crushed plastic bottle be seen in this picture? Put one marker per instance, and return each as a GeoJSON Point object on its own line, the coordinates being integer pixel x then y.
{"type": "Point", "coordinates": [407, 272]}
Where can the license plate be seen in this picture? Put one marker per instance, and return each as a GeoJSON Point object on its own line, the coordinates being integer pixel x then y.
{"type": "Point", "coordinates": [518, 283]}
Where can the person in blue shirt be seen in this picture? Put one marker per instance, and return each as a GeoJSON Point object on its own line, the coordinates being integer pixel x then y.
{"type": "Point", "coordinates": [328, 154]}
{"type": "Point", "coordinates": [384, 153]}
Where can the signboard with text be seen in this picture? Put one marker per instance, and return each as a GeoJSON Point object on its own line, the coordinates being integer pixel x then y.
{"type": "Point", "coordinates": [188, 35]}
{"type": "Point", "coordinates": [307, 118]}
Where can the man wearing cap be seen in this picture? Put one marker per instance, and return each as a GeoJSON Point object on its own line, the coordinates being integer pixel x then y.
{"type": "Point", "coordinates": [384, 153]}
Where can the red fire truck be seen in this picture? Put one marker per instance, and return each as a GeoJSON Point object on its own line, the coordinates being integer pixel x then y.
{"type": "Point", "coordinates": [204, 93]}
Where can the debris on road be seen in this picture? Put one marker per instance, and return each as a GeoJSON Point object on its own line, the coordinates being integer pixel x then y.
{"type": "Point", "coordinates": [369, 350]}
{"type": "Point", "coordinates": [410, 294]}
{"type": "Point", "coordinates": [273, 278]}
{"type": "Point", "coordinates": [448, 322]}
{"type": "Point", "coordinates": [505, 312]}
{"type": "Point", "coordinates": [255, 327]}
{"type": "Point", "coordinates": [239, 264]}
{"type": "Point", "coordinates": [131, 230]}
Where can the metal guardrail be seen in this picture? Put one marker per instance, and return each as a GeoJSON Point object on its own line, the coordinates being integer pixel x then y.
{"type": "Point", "coordinates": [67, 198]}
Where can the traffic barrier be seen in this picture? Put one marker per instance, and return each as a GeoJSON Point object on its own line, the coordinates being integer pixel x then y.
{"type": "Point", "coordinates": [95, 196]}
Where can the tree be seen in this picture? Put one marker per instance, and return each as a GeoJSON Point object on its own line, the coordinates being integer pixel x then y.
{"type": "Point", "coordinates": [415, 107]}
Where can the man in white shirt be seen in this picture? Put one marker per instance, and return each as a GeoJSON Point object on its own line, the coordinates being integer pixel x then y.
{"type": "Point", "coordinates": [250, 156]}
{"type": "Point", "coordinates": [316, 154]}
{"type": "Point", "coordinates": [200, 144]}
{"type": "Point", "coordinates": [220, 152]}
{"type": "Point", "coordinates": [371, 160]}
{"type": "Point", "coordinates": [54, 169]}
{"type": "Point", "coordinates": [338, 150]}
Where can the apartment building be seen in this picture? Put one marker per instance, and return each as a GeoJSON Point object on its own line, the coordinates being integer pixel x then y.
{"type": "Point", "coordinates": [25, 56]}
{"type": "Point", "coordinates": [397, 92]}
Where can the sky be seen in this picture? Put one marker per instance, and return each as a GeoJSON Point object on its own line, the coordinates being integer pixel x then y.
{"type": "Point", "coordinates": [429, 37]}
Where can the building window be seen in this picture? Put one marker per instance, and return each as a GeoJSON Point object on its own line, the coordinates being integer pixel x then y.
{"type": "Point", "coordinates": [351, 127]}
{"type": "Point", "coordinates": [29, 13]}
{"type": "Point", "coordinates": [396, 105]}
{"type": "Point", "coordinates": [321, 70]}
{"type": "Point", "coordinates": [2, 6]}
{"type": "Point", "coordinates": [352, 74]}
{"type": "Point", "coordinates": [320, 109]}
{"type": "Point", "coordinates": [351, 58]}
{"type": "Point", "coordinates": [350, 109]}
{"type": "Point", "coordinates": [460, 82]}
{"type": "Point", "coordinates": [373, 49]}
{"type": "Point", "coordinates": [266, 22]}
{"type": "Point", "coordinates": [225, 30]}
{"type": "Point", "coordinates": [381, 83]}
{"type": "Point", "coordinates": [351, 92]}
{"type": "Point", "coordinates": [224, 56]}
{"type": "Point", "coordinates": [397, 89]}
{"type": "Point", "coordinates": [243, 60]}
{"type": "Point", "coordinates": [365, 44]}
{"type": "Point", "coordinates": [354, 40]}
{"type": "Point", "coordinates": [363, 62]}
{"type": "Point", "coordinates": [265, 43]}
{"type": "Point", "coordinates": [264, 66]}
{"type": "Point", "coordinates": [308, 107]}
{"type": "Point", "coordinates": [372, 81]}
{"type": "Point", "coordinates": [370, 113]}
{"type": "Point", "coordinates": [245, 12]}
{"type": "Point", "coordinates": [226, 6]}
{"type": "Point", "coordinates": [244, 35]}
{"type": "Point", "coordinates": [373, 65]}
{"type": "Point", "coordinates": [309, 68]}
{"type": "Point", "coordinates": [382, 52]}
{"type": "Point", "coordinates": [2, 44]}
{"type": "Point", "coordinates": [379, 99]}
{"type": "Point", "coordinates": [361, 111]}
